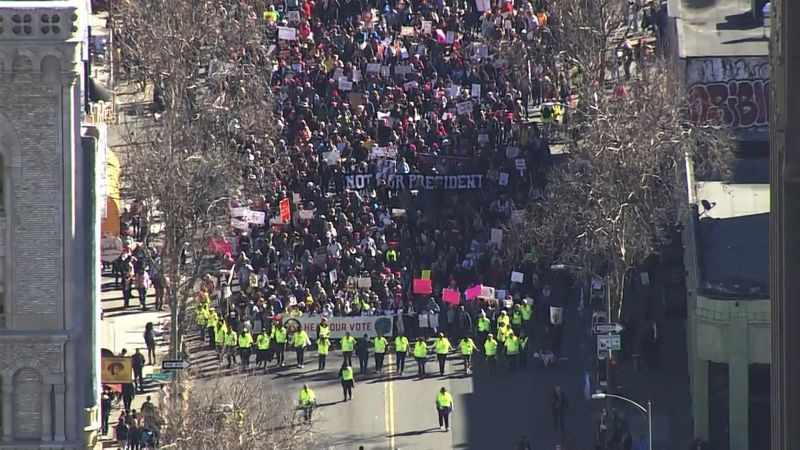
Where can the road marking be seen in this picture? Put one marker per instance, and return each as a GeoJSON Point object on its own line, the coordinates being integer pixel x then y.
{"type": "Point", "coordinates": [389, 389]}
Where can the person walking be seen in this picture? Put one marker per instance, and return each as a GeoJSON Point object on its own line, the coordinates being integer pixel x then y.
{"type": "Point", "coordinates": [122, 432]}
{"type": "Point", "coordinates": [219, 338]}
{"type": "Point", "coordinates": [323, 344]}
{"type": "Point", "coordinates": [484, 326]}
{"type": "Point", "coordinates": [150, 343]}
{"type": "Point", "coordinates": [300, 341]}
{"type": "Point", "coordinates": [444, 406]}
{"type": "Point", "coordinates": [490, 350]}
{"type": "Point", "coordinates": [281, 336]}
{"type": "Point", "coordinates": [347, 377]}
{"type": "Point", "coordinates": [307, 401]}
{"type": "Point", "coordinates": [348, 345]}
{"type": "Point", "coordinates": [467, 346]}
{"type": "Point", "coordinates": [421, 356]}
{"type": "Point", "coordinates": [559, 406]}
{"type": "Point", "coordinates": [362, 351]}
{"type": "Point", "coordinates": [512, 351]}
{"type": "Point", "coordinates": [443, 347]}
{"type": "Point", "coordinates": [400, 351]}
{"type": "Point", "coordinates": [231, 341]}
{"type": "Point", "coordinates": [380, 343]}
{"type": "Point", "coordinates": [523, 350]}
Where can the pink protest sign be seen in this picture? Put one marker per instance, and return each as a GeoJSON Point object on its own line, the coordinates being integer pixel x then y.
{"type": "Point", "coordinates": [423, 286]}
{"type": "Point", "coordinates": [474, 292]}
{"type": "Point", "coordinates": [451, 296]}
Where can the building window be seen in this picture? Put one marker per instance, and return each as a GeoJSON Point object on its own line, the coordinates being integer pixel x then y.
{"type": "Point", "coordinates": [50, 23]}
{"type": "Point", "coordinates": [759, 407]}
{"type": "Point", "coordinates": [21, 24]}
{"type": "Point", "coordinates": [718, 406]}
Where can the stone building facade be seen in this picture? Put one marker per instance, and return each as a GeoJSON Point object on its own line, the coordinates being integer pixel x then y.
{"type": "Point", "coordinates": [48, 300]}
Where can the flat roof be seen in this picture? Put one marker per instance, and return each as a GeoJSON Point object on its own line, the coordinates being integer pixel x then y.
{"type": "Point", "coordinates": [733, 239]}
{"type": "Point", "coordinates": [717, 28]}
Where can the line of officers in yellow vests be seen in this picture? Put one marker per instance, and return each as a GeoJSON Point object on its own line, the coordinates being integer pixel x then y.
{"type": "Point", "coordinates": [510, 338]}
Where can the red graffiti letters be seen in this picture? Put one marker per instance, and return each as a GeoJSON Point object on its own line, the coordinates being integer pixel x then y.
{"type": "Point", "coordinates": [736, 103]}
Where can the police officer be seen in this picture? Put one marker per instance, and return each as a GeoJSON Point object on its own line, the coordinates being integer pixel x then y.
{"type": "Point", "coordinates": [516, 319]}
{"type": "Point", "coordinates": [380, 344]}
{"type": "Point", "coordinates": [467, 347]}
{"type": "Point", "coordinates": [219, 338]}
{"type": "Point", "coordinates": [348, 345]}
{"type": "Point", "coordinates": [323, 344]}
{"type": "Point", "coordinates": [211, 326]}
{"type": "Point", "coordinates": [323, 329]}
{"type": "Point", "coordinates": [444, 406]}
{"type": "Point", "coordinates": [443, 347]}
{"type": "Point", "coordinates": [527, 315]}
{"type": "Point", "coordinates": [262, 348]}
{"type": "Point", "coordinates": [490, 350]}
{"type": "Point", "coordinates": [245, 345]}
{"type": "Point", "coordinates": [281, 336]}
{"type": "Point", "coordinates": [512, 351]}
{"type": "Point", "coordinates": [484, 327]}
{"type": "Point", "coordinates": [231, 341]}
{"type": "Point", "coordinates": [523, 350]}
{"type": "Point", "coordinates": [401, 350]}
{"type": "Point", "coordinates": [307, 401]}
{"type": "Point", "coordinates": [300, 341]}
{"type": "Point", "coordinates": [347, 377]}
{"type": "Point", "coordinates": [421, 356]}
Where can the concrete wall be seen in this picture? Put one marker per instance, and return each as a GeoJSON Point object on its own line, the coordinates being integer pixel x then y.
{"type": "Point", "coordinates": [47, 357]}
{"type": "Point", "coordinates": [725, 331]}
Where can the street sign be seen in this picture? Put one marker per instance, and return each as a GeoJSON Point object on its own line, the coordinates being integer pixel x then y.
{"type": "Point", "coordinates": [607, 327]}
{"type": "Point", "coordinates": [174, 364]}
{"type": "Point", "coordinates": [159, 376]}
{"type": "Point", "coordinates": [607, 342]}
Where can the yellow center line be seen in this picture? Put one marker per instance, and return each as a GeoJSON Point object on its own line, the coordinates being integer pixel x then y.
{"type": "Point", "coordinates": [389, 390]}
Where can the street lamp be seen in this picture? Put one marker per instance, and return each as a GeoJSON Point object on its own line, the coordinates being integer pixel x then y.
{"type": "Point", "coordinates": [648, 411]}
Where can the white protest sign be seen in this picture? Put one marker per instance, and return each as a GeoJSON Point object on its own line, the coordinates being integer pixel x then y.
{"type": "Point", "coordinates": [296, 198]}
{"type": "Point", "coordinates": [453, 91]}
{"type": "Point", "coordinates": [451, 37]}
{"type": "Point", "coordinates": [306, 214]}
{"type": "Point", "coordinates": [406, 31]}
{"type": "Point", "coordinates": [410, 85]}
{"type": "Point", "coordinates": [356, 76]}
{"type": "Point", "coordinates": [374, 68]}
{"type": "Point", "coordinates": [240, 225]}
{"type": "Point", "coordinates": [464, 108]}
{"type": "Point", "coordinates": [502, 180]}
{"type": "Point", "coordinates": [487, 292]}
{"type": "Point", "coordinates": [556, 315]}
{"type": "Point", "coordinates": [476, 90]}
{"type": "Point", "coordinates": [333, 276]}
{"type": "Point", "coordinates": [256, 217]}
{"type": "Point", "coordinates": [287, 33]}
{"type": "Point", "coordinates": [386, 71]}
{"type": "Point", "coordinates": [338, 73]}
{"type": "Point", "coordinates": [364, 282]}
{"type": "Point", "coordinates": [427, 26]}
{"type": "Point", "coordinates": [512, 152]}
{"type": "Point", "coordinates": [496, 236]}
{"type": "Point", "coordinates": [293, 16]}
{"type": "Point", "coordinates": [338, 326]}
{"type": "Point", "coordinates": [483, 5]}
{"type": "Point", "coordinates": [332, 158]}
{"type": "Point", "coordinates": [345, 85]}
{"type": "Point", "coordinates": [519, 164]}
{"type": "Point", "coordinates": [517, 277]}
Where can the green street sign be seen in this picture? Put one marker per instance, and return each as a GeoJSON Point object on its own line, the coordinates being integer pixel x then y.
{"type": "Point", "coordinates": [159, 376]}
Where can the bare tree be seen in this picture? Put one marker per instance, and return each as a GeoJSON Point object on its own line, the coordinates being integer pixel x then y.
{"type": "Point", "coordinates": [208, 64]}
{"type": "Point", "coordinates": [621, 190]}
{"type": "Point", "coordinates": [233, 414]}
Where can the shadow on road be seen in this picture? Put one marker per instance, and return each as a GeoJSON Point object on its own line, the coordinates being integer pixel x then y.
{"type": "Point", "coordinates": [415, 432]}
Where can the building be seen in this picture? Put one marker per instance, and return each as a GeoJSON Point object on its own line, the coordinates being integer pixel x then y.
{"type": "Point", "coordinates": [784, 250]}
{"type": "Point", "coordinates": [722, 53]}
{"type": "Point", "coordinates": [48, 226]}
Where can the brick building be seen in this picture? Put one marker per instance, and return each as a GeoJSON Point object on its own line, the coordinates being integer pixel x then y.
{"type": "Point", "coordinates": [48, 270]}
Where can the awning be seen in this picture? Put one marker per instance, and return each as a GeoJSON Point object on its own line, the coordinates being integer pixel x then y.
{"type": "Point", "coordinates": [98, 92]}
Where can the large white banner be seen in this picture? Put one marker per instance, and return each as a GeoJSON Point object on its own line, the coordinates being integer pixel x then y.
{"type": "Point", "coordinates": [357, 326]}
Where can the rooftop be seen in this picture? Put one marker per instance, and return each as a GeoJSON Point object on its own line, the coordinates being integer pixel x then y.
{"type": "Point", "coordinates": [733, 239]}
{"type": "Point", "coordinates": [718, 28]}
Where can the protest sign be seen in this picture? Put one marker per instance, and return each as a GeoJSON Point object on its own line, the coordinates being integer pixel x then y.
{"type": "Point", "coordinates": [502, 179]}
{"type": "Point", "coordinates": [427, 26]}
{"type": "Point", "coordinates": [306, 214]}
{"type": "Point", "coordinates": [464, 108]}
{"type": "Point", "coordinates": [410, 85]}
{"type": "Point", "coordinates": [422, 286]}
{"type": "Point", "coordinates": [293, 16]}
{"type": "Point", "coordinates": [296, 199]}
{"type": "Point", "coordinates": [451, 37]}
{"type": "Point", "coordinates": [398, 181]}
{"type": "Point", "coordinates": [374, 68]}
{"type": "Point", "coordinates": [320, 256]}
{"type": "Point", "coordinates": [332, 157]}
{"type": "Point", "coordinates": [517, 277]}
{"type": "Point", "coordinates": [287, 33]}
{"type": "Point", "coordinates": [451, 296]}
{"type": "Point", "coordinates": [512, 152]}
{"type": "Point", "coordinates": [476, 90]}
{"type": "Point", "coordinates": [340, 325]}
{"type": "Point", "coordinates": [364, 282]}
{"type": "Point", "coordinates": [111, 248]}
{"type": "Point", "coordinates": [219, 246]}
{"type": "Point", "coordinates": [556, 315]}
{"type": "Point", "coordinates": [239, 212]}
{"type": "Point", "coordinates": [286, 210]}
{"type": "Point", "coordinates": [256, 217]}
{"type": "Point", "coordinates": [519, 163]}
{"type": "Point", "coordinates": [345, 85]}
{"type": "Point", "coordinates": [240, 224]}
{"type": "Point", "coordinates": [406, 31]}
{"type": "Point", "coordinates": [487, 292]}
{"type": "Point", "coordinates": [403, 70]}
{"type": "Point", "coordinates": [474, 292]}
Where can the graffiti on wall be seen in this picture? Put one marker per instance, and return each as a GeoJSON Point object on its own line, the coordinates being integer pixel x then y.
{"type": "Point", "coordinates": [731, 91]}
